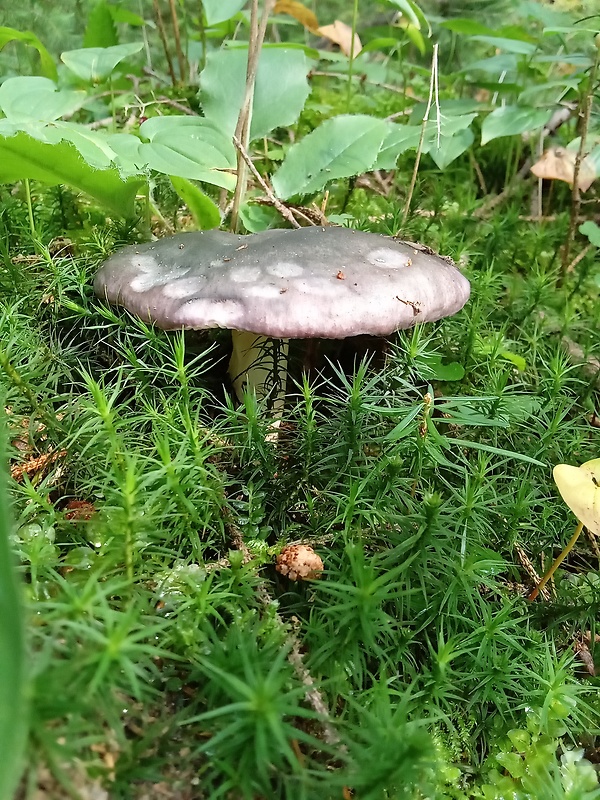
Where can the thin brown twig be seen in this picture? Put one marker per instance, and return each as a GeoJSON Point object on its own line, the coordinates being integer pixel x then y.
{"type": "Point", "coordinates": [579, 257]}
{"type": "Point", "coordinates": [285, 212]}
{"type": "Point", "coordinates": [163, 38]}
{"type": "Point", "coordinates": [575, 191]}
{"type": "Point", "coordinates": [183, 69]}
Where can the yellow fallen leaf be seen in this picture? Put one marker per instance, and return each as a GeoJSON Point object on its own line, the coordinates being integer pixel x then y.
{"type": "Point", "coordinates": [299, 11]}
{"type": "Point", "coordinates": [341, 34]}
{"type": "Point", "coordinates": [580, 489]}
{"type": "Point", "coordinates": [558, 163]}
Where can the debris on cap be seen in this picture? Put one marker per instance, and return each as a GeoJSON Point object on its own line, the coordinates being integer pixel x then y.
{"type": "Point", "coordinates": [312, 282]}
{"type": "Point", "coordinates": [299, 562]}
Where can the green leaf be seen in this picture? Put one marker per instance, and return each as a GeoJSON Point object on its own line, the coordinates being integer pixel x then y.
{"type": "Point", "coordinates": [592, 231]}
{"type": "Point", "coordinates": [100, 30]}
{"type": "Point", "coordinates": [216, 11]}
{"type": "Point", "coordinates": [22, 156]}
{"type": "Point", "coordinates": [509, 45]}
{"type": "Point", "coordinates": [187, 147]}
{"type": "Point", "coordinates": [339, 148]}
{"type": "Point", "coordinates": [33, 99]}
{"type": "Point", "coordinates": [515, 359]}
{"type": "Point", "coordinates": [206, 214]}
{"type": "Point", "coordinates": [430, 367]}
{"type": "Point", "coordinates": [450, 147]}
{"type": "Point", "coordinates": [511, 120]}
{"type": "Point", "coordinates": [95, 64]}
{"type": "Point", "coordinates": [13, 684]}
{"type": "Point", "coordinates": [400, 139]}
{"type": "Point", "coordinates": [466, 27]}
{"type": "Point", "coordinates": [257, 218]}
{"type": "Point", "coordinates": [279, 96]}
{"type": "Point", "coordinates": [47, 65]}
{"type": "Point", "coordinates": [408, 10]}
{"type": "Point", "coordinates": [125, 17]}
{"type": "Point", "coordinates": [416, 37]}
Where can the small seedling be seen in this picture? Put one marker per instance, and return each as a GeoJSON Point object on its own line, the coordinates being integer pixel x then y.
{"type": "Point", "coordinates": [579, 487]}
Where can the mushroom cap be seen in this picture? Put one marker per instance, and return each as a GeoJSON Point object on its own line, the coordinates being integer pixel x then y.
{"type": "Point", "coordinates": [310, 282]}
{"type": "Point", "coordinates": [299, 562]}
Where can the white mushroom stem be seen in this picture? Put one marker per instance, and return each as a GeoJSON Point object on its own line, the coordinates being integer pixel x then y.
{"type": "Point", "coordinates": [259, 364]}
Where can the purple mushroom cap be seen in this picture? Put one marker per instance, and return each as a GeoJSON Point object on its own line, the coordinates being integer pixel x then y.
{"type": "Point", "coordinates": [311, 282]}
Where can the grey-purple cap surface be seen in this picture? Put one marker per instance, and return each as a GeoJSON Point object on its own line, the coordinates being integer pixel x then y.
{"type": "Point", "coordinates": [311, 282]}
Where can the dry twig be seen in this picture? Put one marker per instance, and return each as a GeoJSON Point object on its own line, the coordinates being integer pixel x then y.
{"type": "Point", "coordinates": [285, 212]}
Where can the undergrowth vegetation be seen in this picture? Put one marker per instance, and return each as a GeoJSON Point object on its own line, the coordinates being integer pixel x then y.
{"type": "Point", "coordinates": [166, 655]}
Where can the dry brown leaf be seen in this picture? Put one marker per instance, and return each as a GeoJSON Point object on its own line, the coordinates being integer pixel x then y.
{"type": "Point", "coordinates": [558, 164]}
{"type": "Point", "coordinates": [298, 11]}
{"type": "Point", "coordinates": [341, 34]}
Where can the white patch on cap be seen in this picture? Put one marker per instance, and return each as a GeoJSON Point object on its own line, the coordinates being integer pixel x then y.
{"type": "Point", "coordinates": [285, 269]}
{"type": "Point", "coordinates": [144, 263]}
{"type": "Point", "coordinates": [321, 286]}
{"type": "Point", "coordinates": [244, 274]}
{"type": "Point", "coordinates": [202, 313]}
{"type": "Point", "coordinates": [183, 287]}
{"type": "Point", "coordinates": [386, 258]}
{"type": "Point", "coordinates": [263, 290]}
{"type": "Point", "coordinates": [148, 280]}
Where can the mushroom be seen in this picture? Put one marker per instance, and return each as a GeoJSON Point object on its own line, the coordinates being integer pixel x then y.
{"type": "Point", "coordinates": [329, 283]}
{"type": "Point", "coordinates": [299, 562]}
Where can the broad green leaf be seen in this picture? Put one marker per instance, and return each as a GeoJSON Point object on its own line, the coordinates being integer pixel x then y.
{"type": "Point", "coordinates": [454, 138]}
{"type": "Point", "coordinates": [416, 37]}
{"type": "Point", "coordinates": [188, 147]}
{"type": "Point", "coordinates": [511, 120]}
{"type": "Point", "coordinates": [408, 9]}
{"type": "Point", "coordinates": [100, 30]}
{"type": "Point", "coordinates": [216, 11]}
{"type": "Point", "coordinates": [22, 156]}
{"type": "Point", "coordinates": [515, 359]}
{"type": "Point", "coordinates": [502, 62]}
{"type": "Point", "coordinates": [206, 214]}
{"type": "Point", "coordinates": [592, 231]}
{"type": "Point", "coordinates": [430, 367]}
{"type": "Point", "coordinates": [450, 148]}
{"type": "Point", "coordinates": [95, 64]}
{"type": "Point", "coordinates": [449, 109]}
{"type": "Point", "coordinates": [125, 17]}
{"type": "Point", "coordinates": [339, 148]}
{"type": "Point", "coordinates": [399, 139]}
{"type": "Point", "coordinates": [13, 682]}
{"type": "Point", "coordinates": [33, 99]}
{"type": "Point", "coordinates": [279, 96]}
{"type": "Point", "coordinates": [47, 65]}
{"type": "Point", "coordinates": [509, 45]}
{"type": "Point", "coordinates": [257, 218]}
{"type": "Point", "coordinates": [466, 27]}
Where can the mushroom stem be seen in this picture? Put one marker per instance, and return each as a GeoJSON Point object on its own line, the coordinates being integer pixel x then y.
{"type": "Point", "coordinates": [558, 561]}
{"type": "Point", "coordinates": [259, 364]}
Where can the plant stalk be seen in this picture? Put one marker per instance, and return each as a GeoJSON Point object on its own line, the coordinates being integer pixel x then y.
{"type": "Point", "coordinates": [575, 192]}
{"type": "Point", "coordinates": [242, 129]}
{"type": "Point", "coordinates": [351, 57]}
{"type": "Point", "coordinates": [432, 92]}
{"type": "Point", "coordinates": [558, 561]}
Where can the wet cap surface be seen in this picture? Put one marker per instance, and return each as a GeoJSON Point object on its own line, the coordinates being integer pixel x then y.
{"type": "Point", "coordinates": [310, 282]}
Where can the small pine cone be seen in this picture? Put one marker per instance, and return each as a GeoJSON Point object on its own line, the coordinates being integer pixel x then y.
{"type": "Point", "coordinates": [299, 562]}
